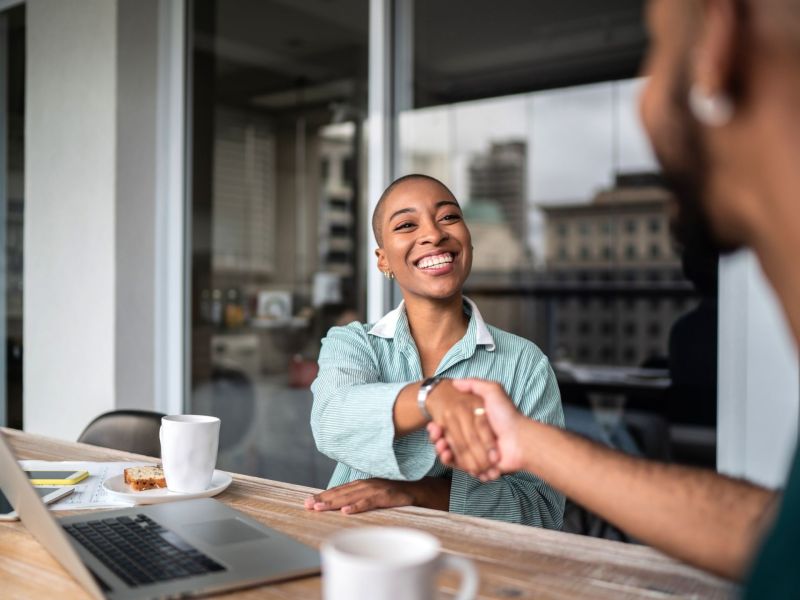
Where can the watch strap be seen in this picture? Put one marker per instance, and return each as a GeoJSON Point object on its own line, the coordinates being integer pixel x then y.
{"type": "Point", "coordinates": [424, 390]}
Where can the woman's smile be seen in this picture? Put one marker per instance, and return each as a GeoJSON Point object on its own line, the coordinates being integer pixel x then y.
{"type": "Point", "coordinates": [436, 263]}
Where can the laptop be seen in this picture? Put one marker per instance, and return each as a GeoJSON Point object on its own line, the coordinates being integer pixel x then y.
{"type": "Point", "coordinates": [184, 548]}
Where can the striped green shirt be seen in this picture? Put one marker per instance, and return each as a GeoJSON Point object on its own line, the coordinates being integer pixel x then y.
{"type": "Point", "coordinates": [362, 369]}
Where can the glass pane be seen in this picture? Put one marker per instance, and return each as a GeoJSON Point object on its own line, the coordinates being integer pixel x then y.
{"type": "Point", "coordinates": [533, 123]}
{"type": "Point", "coordinates": [12, 177]}
{"type": "Point", "coordinates": [278, 103]}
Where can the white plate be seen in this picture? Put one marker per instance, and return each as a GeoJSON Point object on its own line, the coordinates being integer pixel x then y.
{"type": "Point", "coordinates": [117, 487]}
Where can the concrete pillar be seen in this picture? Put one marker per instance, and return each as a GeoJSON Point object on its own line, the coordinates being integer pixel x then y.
{"type": "Point", "coordinates": [90, 211]}
{"type": "Point", "coordinates": [70, 177]}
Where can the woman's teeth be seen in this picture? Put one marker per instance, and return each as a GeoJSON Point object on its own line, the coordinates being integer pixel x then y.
{"type": "Point", "coordinates": [434, 261]}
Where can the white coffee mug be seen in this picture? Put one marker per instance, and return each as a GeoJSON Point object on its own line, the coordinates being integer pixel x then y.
{"type": "Point", "coordinates": [389, 563]}
{"type": "Point", "coordinates": [189, 451]}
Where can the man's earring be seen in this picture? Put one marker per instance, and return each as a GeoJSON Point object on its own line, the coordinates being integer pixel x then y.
{"type": "Point", "coordinates": [713, 110]}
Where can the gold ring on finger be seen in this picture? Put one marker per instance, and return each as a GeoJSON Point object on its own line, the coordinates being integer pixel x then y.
{"type": "Point", "coordinates": [479, 412]}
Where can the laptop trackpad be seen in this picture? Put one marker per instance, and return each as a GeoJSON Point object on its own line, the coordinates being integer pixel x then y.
{"type": "Point", "coordinates": [224, 531]}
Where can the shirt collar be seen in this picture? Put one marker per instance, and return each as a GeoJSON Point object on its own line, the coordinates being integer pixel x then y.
{"type": "Point", "coordinates": [387, 325]}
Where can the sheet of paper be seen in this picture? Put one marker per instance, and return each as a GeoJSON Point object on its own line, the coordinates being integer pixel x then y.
{"type": "Point", "coordinates": [89, 493]}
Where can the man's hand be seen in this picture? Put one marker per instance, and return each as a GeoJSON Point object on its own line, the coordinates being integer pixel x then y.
{"type": "Point", "coordinates": [369, 494]}
{"type": "Point", "coordinates": [709, 520]}
{"type": "Point", "coordinates": [503, 419]}
{"type": "Point", "coordinates": [460, 416]}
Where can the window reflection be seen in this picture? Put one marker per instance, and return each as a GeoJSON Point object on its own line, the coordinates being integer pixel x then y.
{"type": "Point", "coordinates": [278, 102]}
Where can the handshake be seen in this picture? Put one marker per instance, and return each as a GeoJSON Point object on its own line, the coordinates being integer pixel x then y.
{"type": "Point", "coordinates": [475, 427]}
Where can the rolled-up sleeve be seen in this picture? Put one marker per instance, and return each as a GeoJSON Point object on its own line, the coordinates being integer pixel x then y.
{"type": "Point", "coordinates": [352, 417]}
{"type": "Point", "coordinates": [519, 497]}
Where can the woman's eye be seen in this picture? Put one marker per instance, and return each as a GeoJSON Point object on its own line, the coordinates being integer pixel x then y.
{"type": "Point", "coordinates": [403, 226]}
{"type": "Point", "coordinates": [451, 217]}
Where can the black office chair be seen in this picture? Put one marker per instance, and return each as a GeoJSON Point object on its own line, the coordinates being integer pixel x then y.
{"type": "Point", "coordinates": [129, 430]}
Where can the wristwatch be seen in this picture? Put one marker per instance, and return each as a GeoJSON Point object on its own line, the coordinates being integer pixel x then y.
{"type": "Point", "coordinates": [425, 389]}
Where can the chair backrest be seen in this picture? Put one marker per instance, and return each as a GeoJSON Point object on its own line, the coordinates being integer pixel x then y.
{"type": "Point", "coordinates": [129, 430]}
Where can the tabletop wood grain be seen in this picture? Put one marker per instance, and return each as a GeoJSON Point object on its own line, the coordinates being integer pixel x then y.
{"type": "Point", "coordinates": [514, 561]}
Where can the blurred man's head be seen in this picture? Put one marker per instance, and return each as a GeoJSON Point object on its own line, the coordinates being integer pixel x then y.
{"type": "Point", "coordinates": [745, 53]}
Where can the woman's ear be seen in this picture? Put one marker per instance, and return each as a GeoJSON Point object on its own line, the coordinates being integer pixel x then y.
{"type": "Point", "coordinates": [383, 264]}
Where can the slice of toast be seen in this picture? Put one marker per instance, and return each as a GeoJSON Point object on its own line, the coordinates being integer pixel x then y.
{"type": "Point", "coordinates": [145, 478]}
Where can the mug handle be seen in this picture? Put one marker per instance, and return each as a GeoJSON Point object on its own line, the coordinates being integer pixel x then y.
{"type": "Point", "coordinates": [469, 575]}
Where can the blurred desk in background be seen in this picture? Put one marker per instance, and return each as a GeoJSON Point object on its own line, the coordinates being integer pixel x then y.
{"type": "Point", "coordinates": [651, 383]}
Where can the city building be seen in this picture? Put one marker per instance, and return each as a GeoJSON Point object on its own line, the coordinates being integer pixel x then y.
{"type": "Point", "coordinates": [498, 249]}
{"type": "Point", "coordinates": [622, 279]}
{"type": "Point", "coordinates": [498, 176]}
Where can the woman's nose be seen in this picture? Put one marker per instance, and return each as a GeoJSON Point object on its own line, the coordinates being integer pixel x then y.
{"type": "Point", "coordinates": [432, 233]}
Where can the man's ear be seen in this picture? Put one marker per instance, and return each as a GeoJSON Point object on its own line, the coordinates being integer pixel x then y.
{"type": "Point", "coordinates": [714, 67]}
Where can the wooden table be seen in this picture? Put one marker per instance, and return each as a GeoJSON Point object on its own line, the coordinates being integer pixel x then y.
{"type": "Point", "coordinates": [514, 561]}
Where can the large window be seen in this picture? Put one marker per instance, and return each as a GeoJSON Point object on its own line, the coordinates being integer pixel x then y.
{"type": "Point", "coordinates": [278, 99]}
{"type": "Point", "coordinates": [528, 111]}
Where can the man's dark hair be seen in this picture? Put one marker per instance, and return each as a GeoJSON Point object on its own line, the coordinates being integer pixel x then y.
{"type": "Point", "coordinates": [377, 214]}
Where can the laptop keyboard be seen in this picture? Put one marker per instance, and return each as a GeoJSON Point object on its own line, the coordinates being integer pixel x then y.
{"type": "Point", "coordinates": [140, 551]}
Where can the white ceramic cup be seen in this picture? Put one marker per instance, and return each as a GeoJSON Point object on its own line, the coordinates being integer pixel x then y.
{"type": "Point", "coordinates": [389, 563]}
{"type": "Point", "coordinates": [189, 451]}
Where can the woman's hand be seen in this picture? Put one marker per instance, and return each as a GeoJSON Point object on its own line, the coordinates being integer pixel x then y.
{"type": "Point", "coordinates": [461, 419]}
{"type": "Point", "coordinates": [502, 418]}
{"type": "Point", "coordinates": [368, 494]}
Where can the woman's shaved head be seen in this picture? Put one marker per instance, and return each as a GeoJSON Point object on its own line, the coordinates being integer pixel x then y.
{"type": "Point", "coordinates": [377, 215]}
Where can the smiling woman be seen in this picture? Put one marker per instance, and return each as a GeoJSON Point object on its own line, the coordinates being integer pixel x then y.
{"type": "Point", "coordinates": [380, 384]}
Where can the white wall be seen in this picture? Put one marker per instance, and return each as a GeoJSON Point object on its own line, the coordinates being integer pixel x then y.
{"type": "Point", "coordinates": [69, 273]}
{"type": "Point", "coordinates": [759, 379]}
{"type": "Point", "coordinates": [98, 215]}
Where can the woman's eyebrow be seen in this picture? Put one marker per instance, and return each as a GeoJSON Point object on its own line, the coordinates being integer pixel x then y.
{"type": "Point", "coordinates": [442, 203]}
{"type": "Point", "coordinates": [402, 211]}
{"type": "Point", "coordinates": [410, 209]}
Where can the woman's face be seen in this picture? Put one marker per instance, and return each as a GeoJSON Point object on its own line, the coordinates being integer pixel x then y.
{"type": "Point", "coordinates": [426, 243]}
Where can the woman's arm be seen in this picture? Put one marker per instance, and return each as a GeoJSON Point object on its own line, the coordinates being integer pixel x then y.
{"type": "Point", "coordinates": [377, 428]}
{"type": "Point", "coordinates": [352, 417]}
{"type": "Point", "coordinates": [455, 410]}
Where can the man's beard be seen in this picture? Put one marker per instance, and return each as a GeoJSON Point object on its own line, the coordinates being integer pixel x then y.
{"type": "Point", "coordinates": [686, 177]}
